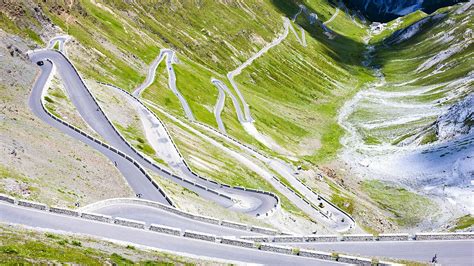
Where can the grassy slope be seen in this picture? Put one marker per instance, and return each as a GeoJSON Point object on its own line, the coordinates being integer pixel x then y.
{"type": "Point", "coordinates": [209, 46]}
{"type": "Point", "coordinates": [464, 222]}
{"type": "Point", "coordinates": [407, 208]}
{"type": "Point", "coordinates": [400, 63]}
{"type": "Point", "coordinates": [18, 20]}
{"type": "Point", "coordinates": [20, 246]}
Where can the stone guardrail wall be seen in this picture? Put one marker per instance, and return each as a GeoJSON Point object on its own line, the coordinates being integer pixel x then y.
{"type": "Point", "coordinates": [115, 150]}
{"type": "Point", "coordinates": [393, 237]}
{"type": "Point", "coordinates": [277, 249]}
{"type": "Point", "coordinates": [291, 190]}
{"type": "Point", "coordinates": [201, 236]}
{"type": "Point", "coordinates": [31, 204]}
{"type": "Point", "coordinates": [97, 217]}
{"type": "Point", "coordinates": [237, 242]}
{"type": "Point", "coordinates": [209, 237]}
{"type": "Point", "coordinates": [176, 211]}
{"type": "Point", "coordinates": [165, 229]}
{"type": "Point", "coordinates": [64, 211]}
{"type": "Point", "coordinates": [360, 237]}
{"type": "Point", "coordinates": [271, 211]}
{"type": "Point", "coordinates": [129, 223]}
{"type": "Point", "coordinates": [444, 236]}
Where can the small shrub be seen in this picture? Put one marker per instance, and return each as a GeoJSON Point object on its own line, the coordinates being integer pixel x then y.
{"type": "Point", "coordinates": [76, 243]}
{"type": "Point", "coordinates": [53, 236]}
{"type": "Point", "coordinates": [63, 242]}
{"type": "Point", "coordinates": [117, 259]}
{"type": "Point", "coordinates": [49, 100]}
{"type": "Point", "coordinates": [8, 250]}
{"type": "Point", "coordinates": [130, 247]}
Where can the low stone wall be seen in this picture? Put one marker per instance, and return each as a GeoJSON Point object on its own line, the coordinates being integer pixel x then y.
{"type": "Point", "coordinates": [234, 225]}
{"type": "Point", "coordinates": [444, 236]}
{"type": "Point", "coordinates": [129, 223]}
{"type": "Point", "coordinates": [97, 217]}
{"type": "Point", "coordinates": [322, 238]}
{"type": "Point", "coordinates": [7, 198]}
{"type": "Point", "coordinates": [277, 249]}
{"type": "Point", "coordinates": [393, 237]}
{"type": "Point", "coordinates": [165, 229]}
{"type": "Point", "coordinates": [315, 254]}
{"type": "Point", "coordinates": [64, 211]}
{"type": "Point", "coordinates": [364, 237]}
{"type": "Point", "coordinates": [31, 204]}
{"type": "Point", "coordinates": [205, 219]}
{"type": "Point", "coordinates": [198, 235]}
{"type": "Point", "coordinates": [288, 239]}
{"type": "Point", "coordinates": [262, 230]}
{"type": "Point", "coordinates": [237, 242]}
{"type": "Point", "coordinates": [354, 260]}
{"type": "Point", "coordinates": [260, 239]}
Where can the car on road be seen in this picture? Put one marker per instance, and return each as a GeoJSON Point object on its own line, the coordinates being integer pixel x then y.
{"type": "Point", "coordinates": [40, 63]}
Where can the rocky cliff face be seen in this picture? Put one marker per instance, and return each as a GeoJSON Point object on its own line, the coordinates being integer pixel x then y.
{"type": "Point", "coordinates": [386, 10]}
{"type": "Point", "coordinates": [457, 121]}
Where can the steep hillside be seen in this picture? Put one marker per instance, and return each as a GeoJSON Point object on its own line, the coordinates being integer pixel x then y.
{"type": "Point", "coordinates": [309, 83]}
{"type": "Point", "coordinates": [386, 10]}
{"type": "Point", "coordinates": [413, 125]}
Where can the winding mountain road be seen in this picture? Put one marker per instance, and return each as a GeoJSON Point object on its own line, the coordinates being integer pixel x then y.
{"type": "Point", "coordinates": [243, 201]}
{"type": "Point", "coordinates": [136, 179]}
{"type": "Point", "coordinates": [56, 222]}
{"type": "Point", "coordinates": [170, 60]}
{"type": "Point", "coordinates": [332, 17]}
{"type": "Point", "coordinates": [91, 112]}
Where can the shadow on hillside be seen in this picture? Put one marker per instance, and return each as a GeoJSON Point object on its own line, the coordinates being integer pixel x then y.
{"type": "Point", "coordinates": [345, 50]}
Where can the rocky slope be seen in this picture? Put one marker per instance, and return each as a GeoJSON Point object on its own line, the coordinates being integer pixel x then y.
{"type": "Point", "coordinates": [386, 10]}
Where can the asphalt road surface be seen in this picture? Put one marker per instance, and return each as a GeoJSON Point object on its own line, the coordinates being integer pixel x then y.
{"type": "Point", "coordinates": [88, 109]}
{"type": "Point", "coordinates": [449, 252]}
{"type": "Point", "coordinates": [40, 219]}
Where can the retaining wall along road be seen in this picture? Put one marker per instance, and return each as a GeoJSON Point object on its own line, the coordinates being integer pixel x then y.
{"type": "Point", "coordinates": [233, 241]}
{"type": "Point", "coordinates": [30, 204]}
{"type": "Point", "coordinates": [237, 242]}
{"type": "Point", "coordinates": [198, 235]}
{"type": "Point", "coordinates": [354, 260]}
{"type": "Point", "coordinates": [315, 254]}
{"type": "Point", "coordinates": [7, 198]}
{"type": "Point", "coordinates": [165, 229]}
{"type": "Point", "coordinates": [321, 238]}
{"type": "Point", "coordinates": [393, 237]}
{"type": "Point", "coordinates": [64, 211]}
{"type": "Point", "coordinates": [362, 237]}
{"type": "Point", "coordinates": [277, 249]}
{"type": "Point", "coordinates": [129, 223]}
{"type": "Point", "coordinates": [97, 217]}
{"type": "Point", "coordinates": [444, 236]}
